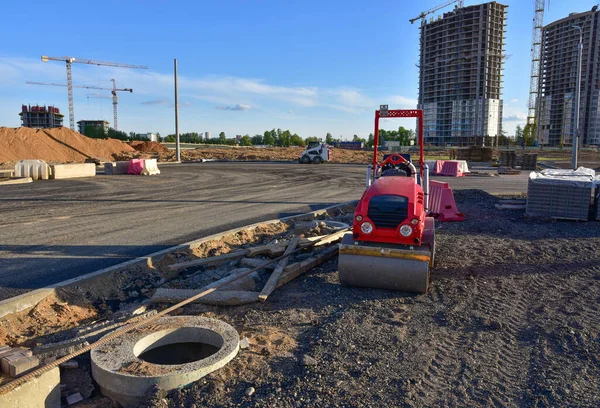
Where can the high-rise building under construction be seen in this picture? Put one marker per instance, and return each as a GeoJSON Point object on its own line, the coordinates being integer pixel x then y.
{"type": "Point", "coordinates": [460, 75]}
{"type": "Point", "coordinates": [558, 80]}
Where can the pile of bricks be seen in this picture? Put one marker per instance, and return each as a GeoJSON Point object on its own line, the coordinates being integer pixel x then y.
{"type": "Point", "coordinates": [17, 361]}
{"type": "Point", "coordinates": [529, 161]}
{"type": "Point", "coordinates": [508, 159]}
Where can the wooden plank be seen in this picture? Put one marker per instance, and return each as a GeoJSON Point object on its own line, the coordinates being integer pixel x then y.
{"type": "Point", "coordinates": [273, 250]}
{"type": "Point", "coordinates": [210, 261]}
{"type": "Point", "coordinates": [255, 263]}
{"type": "Point", "coordinates": [276, 274]}
{"type": "Point", "coordinates": [332, 238]}
{"type": "Point", "coordinates": [296, 269]}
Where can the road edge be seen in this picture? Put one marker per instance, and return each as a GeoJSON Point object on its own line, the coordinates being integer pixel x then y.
{"type": "Point", "coordinates": [30, 299]}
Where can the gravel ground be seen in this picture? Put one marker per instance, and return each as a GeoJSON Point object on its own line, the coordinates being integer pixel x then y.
{"type": "Point", "coordinates": [511, 319]}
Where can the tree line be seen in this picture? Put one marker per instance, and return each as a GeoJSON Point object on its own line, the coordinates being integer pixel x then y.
{"type": "Point", "coordinates": [273, 137]}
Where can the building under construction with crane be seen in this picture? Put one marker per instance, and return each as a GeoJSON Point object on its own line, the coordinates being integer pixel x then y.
{"type": "Point", "coordinates": [40, 117]}
{"type": "Point", "coordinates": [557, 121]}
{"type": "Point", "coordinates": [460, 74]}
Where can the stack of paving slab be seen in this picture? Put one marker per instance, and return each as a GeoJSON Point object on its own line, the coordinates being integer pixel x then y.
{"type": "Point", "coordinates": [562, 194]}
{"type": "Point", "coordinates": [16, 361]}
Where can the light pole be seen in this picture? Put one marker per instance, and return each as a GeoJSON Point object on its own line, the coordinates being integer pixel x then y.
{"type": "Point", "coordinates": [578, 89]}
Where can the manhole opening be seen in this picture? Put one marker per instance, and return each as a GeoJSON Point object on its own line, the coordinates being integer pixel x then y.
{"type": "Point", "coordinates": [178, 353]}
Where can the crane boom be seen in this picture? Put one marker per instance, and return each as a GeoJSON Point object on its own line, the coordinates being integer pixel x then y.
{"type": "Point", "coordinates": [69, 61]}
{"type": "Point", "coordinates": [45, 58]}
{"type": "Point", "coordinates": [79, 86]}
{"type": "Point", "coordinates": [113, 90]}
{"type": "Point", "coordinates": [433, 10]}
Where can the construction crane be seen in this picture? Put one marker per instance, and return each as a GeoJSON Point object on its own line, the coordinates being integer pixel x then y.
{"type": "Point", "coordinates": [113, 90]}
{"type": "Point", "coordinates": [433, 10]}
{"type": "Point", "coordinates": [70, 61]}
{"type": "Point", "coordinates": [536, 56]}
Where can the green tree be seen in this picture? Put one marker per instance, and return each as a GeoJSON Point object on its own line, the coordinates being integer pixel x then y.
{"type": "Point", "coordinates": [529, 134]}
{"type": "Point", "coordinates": [94, 132]}
{"type": "Point", "coordinates": [246, 141]}
{"type": "Point", "coordinates": [268, 138]}
{"type": "Point", "coordinates": [257, 139]}
{"type": "Point", "coordinates": [296, 140]}
{"type": "Point", "coordinates": [311, 139]}
{"type": "Point", "coordinates": [222, 138]}
{"type": "Point", "coordinates": [370, 140]}
{"type": "Point", "coordinates": [329, 138]}
{"type": "Point", "coordinates": [170, 139]}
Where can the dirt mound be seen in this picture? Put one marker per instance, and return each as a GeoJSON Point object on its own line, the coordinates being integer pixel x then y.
{"type": "Point", "coordinates": [148, 147]}
{"type": "Point", "coordinates": [58, 145]}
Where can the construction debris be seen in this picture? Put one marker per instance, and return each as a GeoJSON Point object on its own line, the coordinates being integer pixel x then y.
{"type": "Point", "coordinates": [276, 274]}
{"type": "Point", "coordinates": [211, 261]}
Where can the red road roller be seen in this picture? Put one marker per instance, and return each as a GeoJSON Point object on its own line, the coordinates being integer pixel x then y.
{"type": "Point", "coordinates": [392, 244]}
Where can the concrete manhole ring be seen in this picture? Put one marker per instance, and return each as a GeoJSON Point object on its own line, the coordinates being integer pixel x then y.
{"type": "Point", "coordinates": [165, 347]}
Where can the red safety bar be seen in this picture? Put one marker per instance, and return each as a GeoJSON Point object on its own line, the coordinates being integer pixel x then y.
{"type": "Point", "coordinates": [401, 113]}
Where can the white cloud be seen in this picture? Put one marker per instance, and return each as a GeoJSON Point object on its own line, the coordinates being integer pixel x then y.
{"type": "Point", "coordinates": [515, 117]}
{"type": "Point", "coordinates": [156, 102]}
{"type": "Point", "coordinates": [238, 107]}
{"type": "Point", "coordinates": [154, 91]}
{"type": "Point", "coordinates": [514, 100]}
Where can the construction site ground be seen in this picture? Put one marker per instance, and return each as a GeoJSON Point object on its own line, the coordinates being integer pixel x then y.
{"type": "Point", "coordinates": [57, 230]}
{"type": "Point", "coordinates": [511, 319]}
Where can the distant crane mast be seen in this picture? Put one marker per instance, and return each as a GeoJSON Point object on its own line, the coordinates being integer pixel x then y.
{"type": "Point", "coordinates": [69, 61]}
{"type": "Point", "coordinates": [433, 10]}
{"type": "Point", "coordinates": [113, 90]}
{"type": "Point", "coordinates": [536, 56]}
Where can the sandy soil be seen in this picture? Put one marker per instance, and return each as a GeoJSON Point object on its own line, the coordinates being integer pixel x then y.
{"type": "Point", "coordinates": [148, 147]}
{"type": "Point", "coordinates": [59, 145]}
{"type": "Point", "coordinates": [50, 315]}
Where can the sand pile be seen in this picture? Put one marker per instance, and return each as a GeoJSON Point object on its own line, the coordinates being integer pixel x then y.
{"type": "Point", "coordinates": [59, 145]}
{"type": "Point", "coordinates": [148, 147]}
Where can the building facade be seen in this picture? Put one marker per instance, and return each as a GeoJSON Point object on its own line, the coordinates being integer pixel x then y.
{"type": "Point", "coordinates": [558, 81]}
{"type": "Point", "coordinates": [82, 124]}
{"type": "Point", "coordinates": [460, 75]}
{"type": "Point", "coordinates": [41, 117]}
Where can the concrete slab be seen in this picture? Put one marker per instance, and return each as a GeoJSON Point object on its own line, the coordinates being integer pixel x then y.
{"type": "Point", "coordinates": [8, 173]}
{"type": "Point", "coordinates": [10, 362]}
{"type": "Point", "coordinates": [66, 171]}
{"type": "Point", "coordinates": [114, 168]}
{"type": "Point", "coordinates": [16, 368]}
{"type": "Point", "coordinates": [42, 391]}
{"type": "Point", "coordinates": [22, 180]}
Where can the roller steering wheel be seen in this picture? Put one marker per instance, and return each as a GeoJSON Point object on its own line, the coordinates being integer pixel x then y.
{"type": "Point", "coordinates": [395, 161]}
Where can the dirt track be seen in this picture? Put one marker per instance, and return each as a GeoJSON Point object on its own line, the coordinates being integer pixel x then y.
{"type": "Point", "coordinates": [511, 319]}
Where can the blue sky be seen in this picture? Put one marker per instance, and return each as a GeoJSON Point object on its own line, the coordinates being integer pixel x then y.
{"type": "Point", "coordinates": [244, 66]}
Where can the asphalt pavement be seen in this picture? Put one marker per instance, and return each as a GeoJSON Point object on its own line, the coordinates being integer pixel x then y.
{"type": "Point", "coordinates": [55, 230]}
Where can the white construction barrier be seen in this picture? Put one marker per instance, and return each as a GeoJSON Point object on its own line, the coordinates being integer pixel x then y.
{"type": "Point", "coordinates": [36, 169]}
{"type": "Point", "coordinates": [150, 167]}
{"type": "Point", "coordinates": [65, 171]}
{"type": "Point", "coordinates": [120, 167]}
